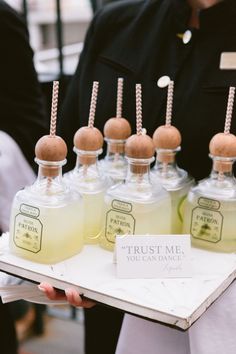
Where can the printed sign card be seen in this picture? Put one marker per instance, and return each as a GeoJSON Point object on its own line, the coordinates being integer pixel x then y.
{"type": "Point", "coordinates": [161, 256]}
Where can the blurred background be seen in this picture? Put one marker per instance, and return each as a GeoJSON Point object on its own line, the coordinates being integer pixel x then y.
{"type": "Point", "coordinates": [57, 29]}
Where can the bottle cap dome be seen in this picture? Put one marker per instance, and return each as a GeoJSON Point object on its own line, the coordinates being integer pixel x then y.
{"type": "Point", "coordinates": [88, 139]}
{"type": "Point", "coordinates": [51, 148]}
{"type": "Point", "coordinates": [139, 147]}
{"type": "Point", "coordinates": [223, 145]}
{"type": "Point", "coordinates": [117, 128]}
{"type": "Point", "coordinates": [167, 137]}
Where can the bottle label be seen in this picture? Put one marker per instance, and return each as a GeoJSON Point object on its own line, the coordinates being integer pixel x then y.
{"type": "Point", "coordinates": [28, 229]}
{"type": "Point", "coordinates": [29, 210]}
{"type": "Point", "coordinates": [207, 221]}
{"type": "Point", "coordinates": [209, 203]}
{"type": "Point", "coordinates": [119, 221]}
{"type": "Point", "coordinates": [122, 206]}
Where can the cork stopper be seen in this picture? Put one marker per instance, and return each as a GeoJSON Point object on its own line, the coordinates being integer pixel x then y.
{"type": "Point", "coordinates": [89, 138]}
{"type": "Point", "coordinates": [51, 148]}
{"type": "Point", "coordinates": [167, 137]}
{"type": "Point", "coordinates": [139, 145]}
{"type": "Point", "coordinates": [224, 144]}
{"type": "Point", "coordinates": [117, 128]}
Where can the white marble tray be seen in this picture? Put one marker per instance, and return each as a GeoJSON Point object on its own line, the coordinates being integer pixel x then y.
{"type": "Point", "coordinates": [178, 302]}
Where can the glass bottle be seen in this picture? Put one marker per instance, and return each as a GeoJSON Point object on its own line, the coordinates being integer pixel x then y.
{"type": "Point", "coordinates": [210, 208]}
{"type": "Point", "coordinates": [46, 222]}
{"type": "Point", "coordinates": [211, 205]}
{"type": "Point", "coordinates": [116, 132]}
{"type": "Point", "coordinates": [47, 217]}
{"type": "Point", "coordinates": [86, 177]}
{"type": "Point", "coordinates": [88, 181]}
{"type": "Point", "coordinates": [137, 206]}
{"type": "Point", "coordinates": [176, 181]}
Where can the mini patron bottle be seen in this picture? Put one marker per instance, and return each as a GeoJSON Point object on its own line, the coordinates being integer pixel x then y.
{"type": "Point", "coordinates": [116, 131]}
{"type": "Point", "coordinates": [136, 206]}
{"type": "Point", "coordinates": [211, 205]}
{"type": "Point", "coordinates": [176, 181]}
{"type": "Point", "coordinates": [46, 217]}
{"type": "Point", "coordinates": [85, 177]}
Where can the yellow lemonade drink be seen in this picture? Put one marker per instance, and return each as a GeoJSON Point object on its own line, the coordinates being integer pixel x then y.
{"type": "Point", "coordinates": [46, 234]}
{"type": "Point", "coordinates": [210, 221]}
{"type": "Point", "coordinates": [93, 216]}
{"type": "Point", "coordinates": [86, 180]}
{"type": "Point", "coordinates": [124, 216]}
{"type": "Point", "coordinates": [178, 198]}
{"type": "Point", "coordinates": [176, 181]}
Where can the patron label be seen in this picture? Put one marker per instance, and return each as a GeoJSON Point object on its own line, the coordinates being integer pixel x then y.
{"type": "Point", "coordinates": [119, 221]}
{"type": "Point", "coordinates": [29, 210]}
{"type": "Point", "coordinates": [28, 229]}
{"type": "Point", "coordinates": [209, 203]}
{"type": "Point", "coordinates": [207, 222]}
{"type": "Point", "coordinates": [122, 206]}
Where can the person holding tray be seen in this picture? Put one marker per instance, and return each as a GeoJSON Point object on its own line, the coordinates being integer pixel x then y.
{"type": "Point", "coordinates": [152, 42]}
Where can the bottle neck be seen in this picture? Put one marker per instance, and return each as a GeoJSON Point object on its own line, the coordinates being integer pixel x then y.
{"type": "Point", "coordinates": [222, 168]}
{"type": "Point", "coordinates": [138, 170]}
{"type": "Point", "coordinates": [50, 169]}
{"type": "Point", "coordinates": [86, 161]}
{"type": "Point", "coordinates": [115, 150]}
{"type": "Point", "coordinates": [165, 164]}
{"type": "Point", "coordinates": [49, 181]}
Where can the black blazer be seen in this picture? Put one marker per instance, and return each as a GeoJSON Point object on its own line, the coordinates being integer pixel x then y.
{"type": "Point", "coordinates": [141, 41]}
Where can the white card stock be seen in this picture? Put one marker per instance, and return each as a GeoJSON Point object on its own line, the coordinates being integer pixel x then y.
{"type": "Point", "coordinates": [156, 256]}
